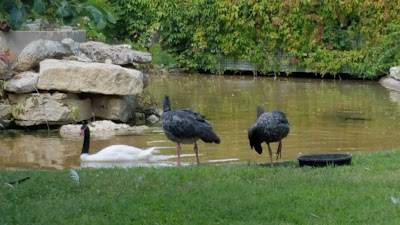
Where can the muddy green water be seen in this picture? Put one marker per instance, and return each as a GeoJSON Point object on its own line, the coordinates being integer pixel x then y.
{"type": "Point", "coordinates": [326, 116]}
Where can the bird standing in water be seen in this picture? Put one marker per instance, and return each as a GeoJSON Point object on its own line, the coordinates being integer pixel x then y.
{"type": "Point", "coordinates": [270, 127]}
{"type": "Point", "coordinates": [186, 126]}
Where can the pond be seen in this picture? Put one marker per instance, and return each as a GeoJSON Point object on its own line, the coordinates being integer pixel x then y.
{"type": "Point", "coordinates": [325, 115]}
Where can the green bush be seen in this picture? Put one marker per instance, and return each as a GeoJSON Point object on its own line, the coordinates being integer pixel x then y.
{"type": "Point", "coordinates": [160, 57]}
{"type": "Point", "coordinates": [93, 15]}
{"type": "Point", "coordinates": [321, 36]}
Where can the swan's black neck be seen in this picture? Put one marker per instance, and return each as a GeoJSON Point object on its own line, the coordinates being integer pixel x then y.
{"type": "Point", "coordinates": [86, 139]}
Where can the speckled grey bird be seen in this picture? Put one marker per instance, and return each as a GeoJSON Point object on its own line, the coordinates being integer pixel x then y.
{"type": "Point", "coordinates": [270, 127]}
{"type": "Point", "coordinates": [186, 126]}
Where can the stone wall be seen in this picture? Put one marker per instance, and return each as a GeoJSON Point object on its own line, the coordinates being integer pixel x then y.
{"type": "Point", "coordinates": [17, 40]}
{"type": "Point", "coordinates": [61, 82]}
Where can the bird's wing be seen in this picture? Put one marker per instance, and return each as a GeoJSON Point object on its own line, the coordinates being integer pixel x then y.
{"type": "Point", "coordinates": [202, 127]}
{"type": "Point", "coordinates": [195, 115]}
{"type": "Point", "coordinates": [189, 123]}
{"type": "Point", "coordinates": [186, 122]}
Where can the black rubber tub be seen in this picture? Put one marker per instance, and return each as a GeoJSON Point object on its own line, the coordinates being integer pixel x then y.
{"type": "Point", "coordinates": [319, 160]}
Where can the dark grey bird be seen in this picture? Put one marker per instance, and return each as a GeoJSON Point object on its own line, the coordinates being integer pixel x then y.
{"type": "Point", "coordinates": [270, 127]}
{"type": "Point", "coordinates": [186, 126]}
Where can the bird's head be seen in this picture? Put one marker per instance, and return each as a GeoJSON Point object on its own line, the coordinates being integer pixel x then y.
{"type": "Point", "coordinates": [254, 142]}
{"type": "Point", "coordinates": [83, 128]}
{"type": "Point", "coordinates": [257, 147]}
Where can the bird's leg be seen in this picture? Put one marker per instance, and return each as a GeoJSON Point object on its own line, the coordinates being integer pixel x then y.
{"type": "Point", "coordinates": [279, 151]}
{"type": "Point", "coordinates": [270, 155]}
{"type": "Point", "coordinates": [196, 150]}
{"type": "Point", "coordinates": [178, 152]}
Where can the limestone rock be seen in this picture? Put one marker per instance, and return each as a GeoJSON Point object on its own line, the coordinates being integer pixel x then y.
{"type": "Point", "coordinates": [24, 82]}
{"type": "Point", "coordinates": [72, 49]}
{"type": "Point", "coordinates": [390, 83]}
{"type": "Point", "coordinates": [139, 118]}
{"type": "Point", "coordinates": [100, 78]}
{"type": "Point", "coordinates": [37, 51]}
{"type": "Point", "coordinates": [113, 107]}
{"type": "Point", "coordinates": [153, 119]}
{"type": "Point", "coordinates": [28, 123]}
{"type": "Point", "coordinates": [104, 128]}
{"type": "Point", "coordinates": [5, 115]}
{"type": "Point", "coordinates": [71, 46]}
{"type": "Point", "coordinates": [99, 52]}
{"type": "Point", "coordinates": [395, 72]}
{"type": "Point", "coordinates": [57, 108]}
{"type": "Point", "coordinates": [5, 111]}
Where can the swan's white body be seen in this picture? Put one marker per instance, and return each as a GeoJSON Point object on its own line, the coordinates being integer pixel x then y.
{"type": "Point", "coordinates": [115, 153]}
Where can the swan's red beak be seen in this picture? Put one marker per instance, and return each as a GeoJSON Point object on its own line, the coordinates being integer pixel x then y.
{"type": "Point", "coordinates": [81, 132]}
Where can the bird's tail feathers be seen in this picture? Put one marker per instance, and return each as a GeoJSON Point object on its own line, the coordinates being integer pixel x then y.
{"type": "Point", "coordinates": [210, 137]}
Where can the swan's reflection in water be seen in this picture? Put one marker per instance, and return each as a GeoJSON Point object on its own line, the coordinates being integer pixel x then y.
{"type": "Point", "coordinates": [155, 160]}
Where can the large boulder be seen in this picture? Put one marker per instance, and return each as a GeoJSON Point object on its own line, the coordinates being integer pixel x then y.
{"type": "Point", "coordinates": [395, 72]}
{"type": "Point", "coordinates": [72, 49]}
{"type": "Point", "coordinates": [104, 128]}
{"type": "Point", "coordinates": [390, 83]}
{"type": "Point", "coordinates": [5, 111]}
{"type": "Point", "coordinates": [38, 50]}
{"type": "Point", "coordinates": [100, 52]}
{"type": "Point", "coordinates": [113, 107]}
{"type": "Point", "coordinates": [57, 108]}
{"type": "Point", "coordinates": [5, 115]}
{"type": "Point", "coordinates": [99, 78]}
{"type": "Point", "coordinates": [24, 82]}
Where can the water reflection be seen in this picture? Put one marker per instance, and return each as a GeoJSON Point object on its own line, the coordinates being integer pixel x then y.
{"type": "Point", "coordinates": [326, 116]}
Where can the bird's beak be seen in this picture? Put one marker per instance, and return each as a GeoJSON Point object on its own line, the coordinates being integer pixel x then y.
{"type": "Point", "coordinates": [81, 132]}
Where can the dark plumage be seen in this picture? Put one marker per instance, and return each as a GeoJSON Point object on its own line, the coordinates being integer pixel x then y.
{"type": "Point", "coordinates": [270, 127]}
{"type": "Point", "coordinates": [186, 126]}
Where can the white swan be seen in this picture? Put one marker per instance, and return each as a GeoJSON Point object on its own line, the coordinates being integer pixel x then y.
{"type": "Point", "coordinates": [114, 152]}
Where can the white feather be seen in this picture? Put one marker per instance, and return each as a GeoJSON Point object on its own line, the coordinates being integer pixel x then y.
{"type": "Point", "coordinates": [120, 153]}
{"type": "Point", "coordinates": [394, 200]}
{"type": "Point", "coordinates": [8, 185]}
{"type": "Point", "coordinates": [75, 176]}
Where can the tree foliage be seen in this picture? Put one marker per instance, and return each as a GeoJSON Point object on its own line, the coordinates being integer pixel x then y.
{"type": "Point", "coordinates": [87, 14]}
{"type": "Point", "coordinates": [327, 36]}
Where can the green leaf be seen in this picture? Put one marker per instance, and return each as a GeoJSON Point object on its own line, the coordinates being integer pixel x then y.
{"type": "Point", "coordinates": [38, 6]}
{"type": "Point", "coordinates": [110, 18]}
{"type": "Point", "coordinates": [63, 11]}
{"type": "Point", "coordinates": [101, 24]}
{"type": "Point", "coordinates": [18, 16]}
{"type": "Point", "coordinates": [97, 17]}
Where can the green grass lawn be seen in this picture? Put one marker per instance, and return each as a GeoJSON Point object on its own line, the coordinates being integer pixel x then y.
{"type": "Point", "coordinates": [363, 193]}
